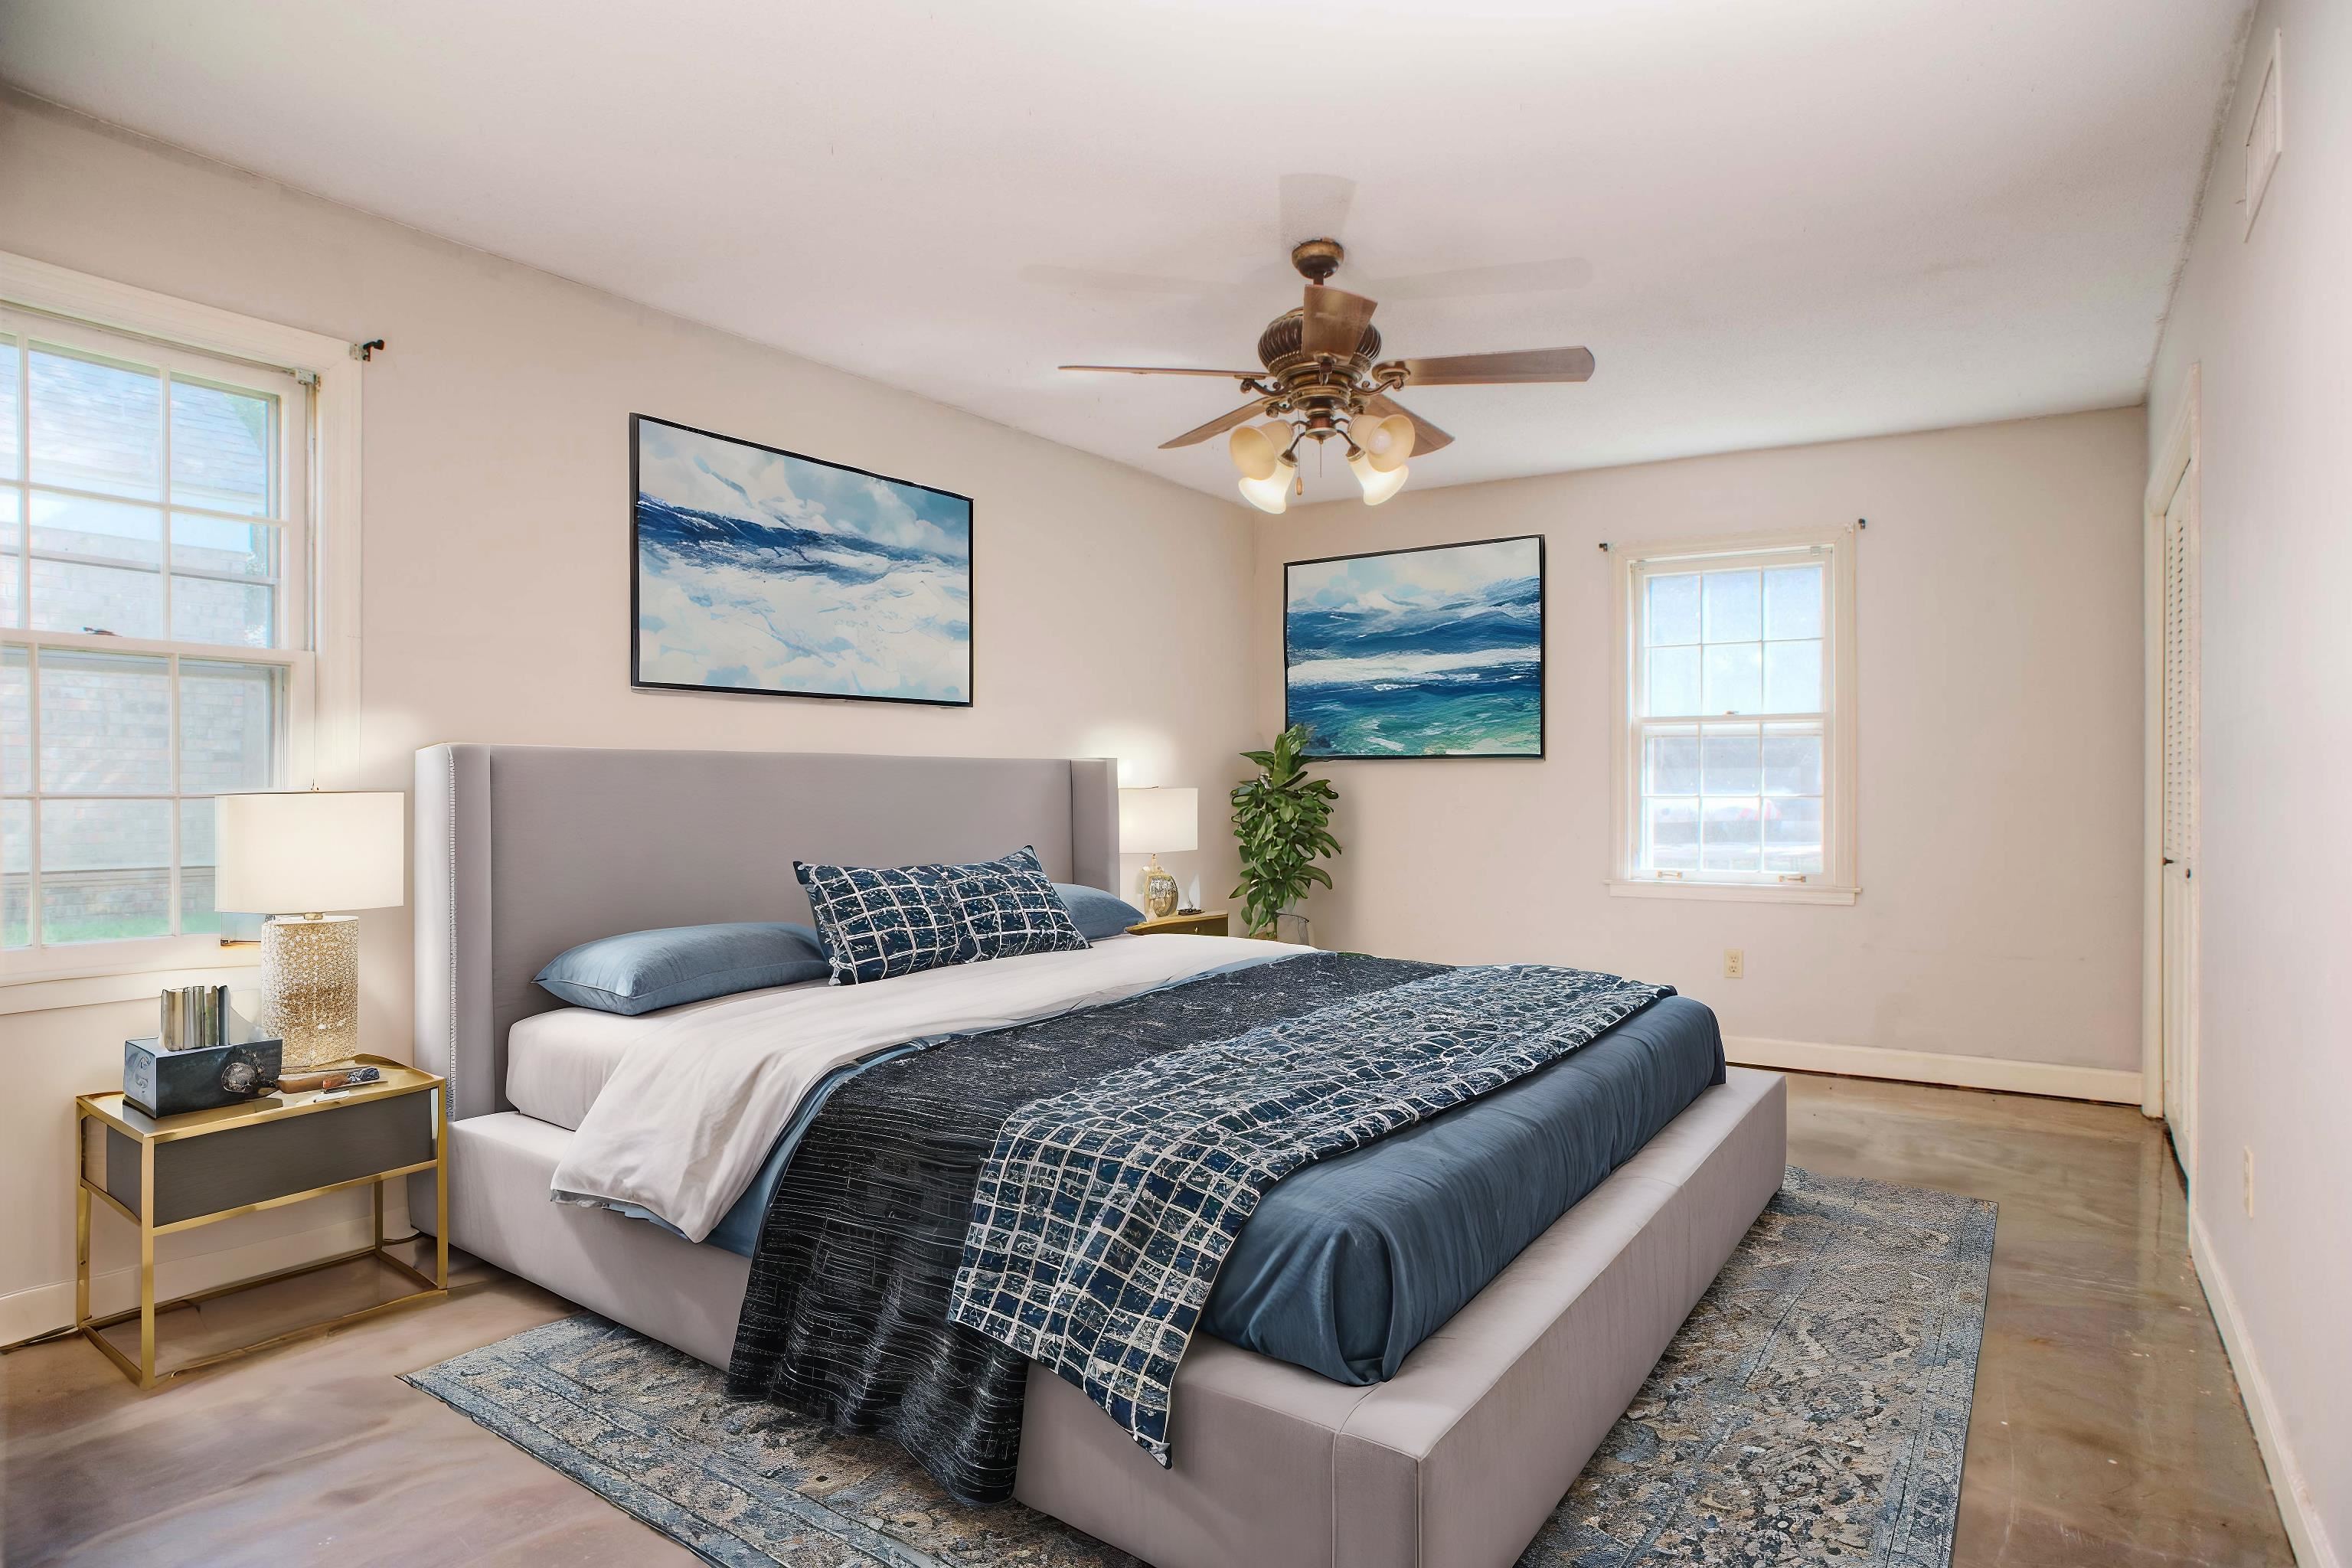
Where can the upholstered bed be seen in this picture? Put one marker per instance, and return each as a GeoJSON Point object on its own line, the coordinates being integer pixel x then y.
{"type": "Point", "coordinates": [1456, 1458]}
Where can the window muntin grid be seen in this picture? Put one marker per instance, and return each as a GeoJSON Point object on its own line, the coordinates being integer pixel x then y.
{"type": "Point", "coordinates": [150, 536]}
{"type": "Point", "coordinates": [1732, 718]}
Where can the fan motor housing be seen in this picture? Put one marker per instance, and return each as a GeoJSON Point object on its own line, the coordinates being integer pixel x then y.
{"type": "Point", "coordinates": [1281, 340]}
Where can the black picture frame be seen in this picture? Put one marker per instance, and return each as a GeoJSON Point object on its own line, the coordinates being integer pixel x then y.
{"type": "Point", "coordinates": [1543, 658]}
{"type": "Point", "coordinates": [637, 675]}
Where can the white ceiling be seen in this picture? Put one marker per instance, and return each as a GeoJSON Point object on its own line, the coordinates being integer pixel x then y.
{"type": "Point", "coordinates": [1773, 221]}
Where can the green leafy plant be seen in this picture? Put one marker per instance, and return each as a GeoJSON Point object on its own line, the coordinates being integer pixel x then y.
{"type": "Point", "coordinates": [1282, 818]}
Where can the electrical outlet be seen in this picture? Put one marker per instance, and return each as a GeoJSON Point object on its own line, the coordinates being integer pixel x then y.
{"type": "Point", "coordinates": [1735, 964]}
{"type": "Point", "coordinates": [2250, 1180]}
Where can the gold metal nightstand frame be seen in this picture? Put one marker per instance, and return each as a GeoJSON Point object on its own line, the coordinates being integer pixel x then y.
{"type": "Point", "coordinates": [111, 1110]}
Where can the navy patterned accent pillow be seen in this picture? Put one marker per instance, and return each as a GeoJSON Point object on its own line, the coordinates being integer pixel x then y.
{"type": "Point", "coordinates": [1011, 908]}
{"type": "Point", "coordinates": [881, 921]}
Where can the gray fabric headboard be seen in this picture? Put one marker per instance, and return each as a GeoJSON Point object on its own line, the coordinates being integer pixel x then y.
{"type": "Point", "coordinates": [523, 851]}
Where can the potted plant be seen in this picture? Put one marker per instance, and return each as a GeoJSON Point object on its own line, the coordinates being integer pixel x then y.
{"type": "Point", "coordinates": [1282, 819]}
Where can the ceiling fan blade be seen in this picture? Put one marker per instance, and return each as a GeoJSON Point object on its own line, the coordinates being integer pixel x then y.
{"type": "Point", "coordinates": [1333, 321]}
{"type": "Point", "coordinates": [1511, 366]}
{"type": "Point", "coordinates": [1313, 207]}
{"type": "Point", "coordinates": [1160, 370]}
{"type": "Point", "coordinates": [1101, 282]}
{"type": "Point", "coordinates": [1509, 277]}
{"type": "Point", "coordinates": [1217, 426]}
{"type": "Point", "coordinates": [1426, 437]}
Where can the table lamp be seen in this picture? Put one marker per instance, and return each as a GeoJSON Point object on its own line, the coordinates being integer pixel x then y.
{"type": "Point", "coordinates": [1149, 821]}
{"type": "Point", "coordinates": [293, 855]}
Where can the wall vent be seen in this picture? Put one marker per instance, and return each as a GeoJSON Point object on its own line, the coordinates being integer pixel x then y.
{"type": "Point", "coordinates": [2266, 133]}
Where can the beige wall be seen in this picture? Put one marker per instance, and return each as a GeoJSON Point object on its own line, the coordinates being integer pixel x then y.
{"type": "Point", "coordinates": [2268, 318]}
{"type": "Point", "coordinates": [496, 568]}
{"type": "Point", "coordinates": [1998, 606]}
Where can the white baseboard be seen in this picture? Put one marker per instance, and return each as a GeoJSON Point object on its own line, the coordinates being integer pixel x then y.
{"type": "Point", "coordinates": [41, 1307]}
{"type": "Point", "coordinates": [2297, 1510]}
{"type": "Point", "coordinates": [2107, 1084]}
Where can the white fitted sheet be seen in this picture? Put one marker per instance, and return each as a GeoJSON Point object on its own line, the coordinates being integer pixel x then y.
{"type": "Point", "coordinates": [556, 1063]}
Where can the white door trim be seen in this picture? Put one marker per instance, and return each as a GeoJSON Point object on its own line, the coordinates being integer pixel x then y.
{"type": "Point", "coordinates": [2174, 463]}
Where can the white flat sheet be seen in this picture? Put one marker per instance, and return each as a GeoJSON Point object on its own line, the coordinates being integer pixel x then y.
{"type": "Point", "coordinates": [698, 1097]}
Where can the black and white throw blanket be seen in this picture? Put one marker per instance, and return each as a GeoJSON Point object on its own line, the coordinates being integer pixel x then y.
{"type": "Point", "coordinates": [1104, 1211]}
{"type": "Point", "coordinates": [847, 1315]}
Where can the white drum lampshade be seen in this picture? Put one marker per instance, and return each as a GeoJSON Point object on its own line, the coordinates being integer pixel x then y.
{"type": "Point", "coordinates": [296, 856]}
{"type": "Point", "coordinates": [1151, 821]}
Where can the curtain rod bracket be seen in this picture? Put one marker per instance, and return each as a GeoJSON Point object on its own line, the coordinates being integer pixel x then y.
{"type": "Point", "coordinates": [366, 351]}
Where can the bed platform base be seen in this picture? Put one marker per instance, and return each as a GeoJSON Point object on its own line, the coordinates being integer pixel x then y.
{"type": "Point", "coordinates": [1454, 1463]}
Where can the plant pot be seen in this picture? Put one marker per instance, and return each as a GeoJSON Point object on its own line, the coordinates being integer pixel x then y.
{"type": "Point", "coordinates": [1288, 926]}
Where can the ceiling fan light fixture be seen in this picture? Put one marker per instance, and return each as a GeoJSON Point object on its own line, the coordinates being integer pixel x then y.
{"type": "Point", "coordinates": [1387, 442]}
{"type": "Point", "coordinates": [1378, 483]}
{"type": "Point", "coordinates": [1271, 493]}
{"type": "Point", "coordinates": [1322, 376]}
{"type": "Point", "coordinates": [1254, 453]}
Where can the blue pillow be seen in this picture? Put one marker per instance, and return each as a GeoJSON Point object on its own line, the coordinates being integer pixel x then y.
{"type": "Point", "coordinates": [1011, 908]}
{"type": "Point", "coordinates": [878, 922]}
{"type": "Point", "coordinates": [1098, 914]}
{"type": "Point", "coordinates": [644, 970]}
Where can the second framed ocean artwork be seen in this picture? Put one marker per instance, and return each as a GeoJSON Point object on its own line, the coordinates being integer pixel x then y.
{"type": "Point", "coordinates": [1433, 652]}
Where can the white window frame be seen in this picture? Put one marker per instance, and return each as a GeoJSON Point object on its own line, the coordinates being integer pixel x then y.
{"type": "Point", "coordinates": [320, 588]}
{"type": "Point", "coordinates": [1631, 565]}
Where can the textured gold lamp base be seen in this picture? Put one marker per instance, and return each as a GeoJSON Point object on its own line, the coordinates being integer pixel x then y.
{"type": "Point", "coordinates": [1158, 890]}
{"type": "Point", "coordinates": [310, 987]}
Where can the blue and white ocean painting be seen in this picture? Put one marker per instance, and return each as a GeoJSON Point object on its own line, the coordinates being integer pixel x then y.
{"type": "Point", "coordinates": [760, 570]}
{"type": "Point", "coordinates": [1419, 653]}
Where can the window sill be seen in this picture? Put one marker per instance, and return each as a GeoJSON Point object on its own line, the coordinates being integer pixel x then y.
{"type": "Point", "coordinates": [95, 987]}
{"type": "Point", "coordinates": [1734, 892]}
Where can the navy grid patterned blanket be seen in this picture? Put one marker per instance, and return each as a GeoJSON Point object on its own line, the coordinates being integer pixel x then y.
{"type": "Point", "coordinates": [1104, 1212]}
{"type": "Point", "coordinates": [846, 1317]}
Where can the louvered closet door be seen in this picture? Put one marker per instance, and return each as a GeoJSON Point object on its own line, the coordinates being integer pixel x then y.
{"type": "Point", "coordinates": [2178, 955]}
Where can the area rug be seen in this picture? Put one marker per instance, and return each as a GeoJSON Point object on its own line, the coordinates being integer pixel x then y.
{"type": "Point", "coordinates": [1813, 1410]}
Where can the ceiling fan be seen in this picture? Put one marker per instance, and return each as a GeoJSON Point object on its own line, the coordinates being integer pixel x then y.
{"type": "Point", "coordinates": [1323, 378]}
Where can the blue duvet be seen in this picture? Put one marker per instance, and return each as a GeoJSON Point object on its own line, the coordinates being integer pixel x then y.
{"type": "Point", "coordinates": [1352, 1261]}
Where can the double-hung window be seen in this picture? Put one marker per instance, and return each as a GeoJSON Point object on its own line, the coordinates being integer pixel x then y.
{"type": "Point", "coordinates": [154, 632]}
{"type": "Point", "coordinates": [1736, 720]}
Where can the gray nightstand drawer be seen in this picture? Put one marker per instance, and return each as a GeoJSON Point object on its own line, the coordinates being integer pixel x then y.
{"type": "Point", "coordinates": [228, 1170]}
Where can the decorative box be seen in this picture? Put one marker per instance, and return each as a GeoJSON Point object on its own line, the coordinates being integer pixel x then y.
{"type": "Point", "coordinates": [165, 1083]}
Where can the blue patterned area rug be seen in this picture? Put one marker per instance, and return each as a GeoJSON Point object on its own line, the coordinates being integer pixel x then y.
{"type": "Point", "coordinates": [1813, 1410]}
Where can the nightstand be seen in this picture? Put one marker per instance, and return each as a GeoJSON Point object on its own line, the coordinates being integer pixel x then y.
{"type": "Point", "coordinates": [1208, 922]}
{"type": "Point", "coordinates": [171, 1173]}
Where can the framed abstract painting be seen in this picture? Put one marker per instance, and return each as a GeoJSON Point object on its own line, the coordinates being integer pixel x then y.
{"type": "Point", "coordinates": [758, 569]}
{"type": "Point", "coordinates": [1435, 652]}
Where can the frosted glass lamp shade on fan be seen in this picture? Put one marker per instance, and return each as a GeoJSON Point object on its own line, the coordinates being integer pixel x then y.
{"type": "Point", "coordinates": [296, 856]}
{"type": "Point", "coordinates": [1154, 820]}
{"type": "Point", "coordinates": [1261, 454]}
{"type": "Point", "coordinates": [1382, 445]}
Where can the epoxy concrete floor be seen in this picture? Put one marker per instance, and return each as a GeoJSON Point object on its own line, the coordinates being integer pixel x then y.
{"type": "Point", "coordinates": [2108, 1429]}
